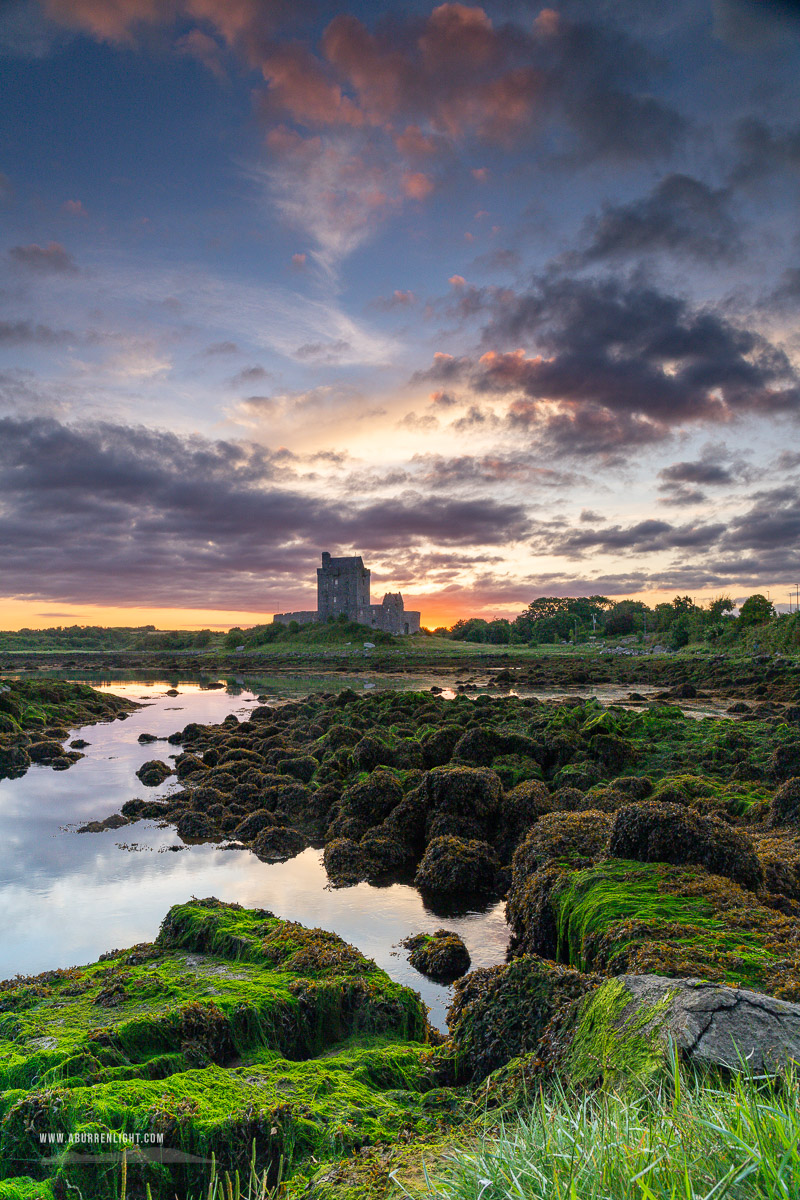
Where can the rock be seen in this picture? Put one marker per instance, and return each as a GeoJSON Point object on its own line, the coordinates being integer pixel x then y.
{"type": "Point", "coordinates": [452, 865]}
{"type": "Point", "coordinates": [276, 843]}
{"type": "Point", "coordinates": [499, 1013]}
{"type": "Point", "coordinates": [784, 807]}
{"type": "Point", "coordinates": [78, 744]}
{"type": "Point", "coordinates": [153, 773]}
{"type": "Point", "coordinates": [197, 826]}
{"type": "Point", "coordinates": [45, 752]}
{"type": "Point", "coordinates": [441, 955]}
{"type": "Point", "coordinates": [653, 831]}
{"type": "Point", "coordinates": [631, 1021]}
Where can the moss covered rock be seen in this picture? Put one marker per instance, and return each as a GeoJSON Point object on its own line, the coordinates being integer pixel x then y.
{"type": "Point", "coordinates": [441, 955]}
{"type": "Point", "coordinates": [657, 832]}
{"type": "Point", "coordinates": [235, 1034]}
{"type": "Point", "coordinates": [500, 1013]}
{"type": "Point", "coordinates": [454, 866]}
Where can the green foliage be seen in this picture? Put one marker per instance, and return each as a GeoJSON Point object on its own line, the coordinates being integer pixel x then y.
{"type": "Point", "coordinates": [686, 1139]}
{"type": "Point", "coordinates": [755, 611]}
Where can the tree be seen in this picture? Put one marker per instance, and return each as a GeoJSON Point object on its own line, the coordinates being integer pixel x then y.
{"type": "Point", "coordinates": [718, 606]}
{"type": "Point", "coordinates": [755, 611]}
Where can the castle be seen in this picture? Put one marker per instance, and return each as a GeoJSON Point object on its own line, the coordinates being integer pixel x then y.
{"type": "Point", "coordinates": [343, 589]}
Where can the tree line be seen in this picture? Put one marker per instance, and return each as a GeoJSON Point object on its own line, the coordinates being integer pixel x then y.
{"type": "Point", "coordinates": [549, 619]}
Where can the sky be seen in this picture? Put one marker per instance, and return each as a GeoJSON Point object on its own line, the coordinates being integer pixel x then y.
{"type": "Point", "coordinates": [501, 297]}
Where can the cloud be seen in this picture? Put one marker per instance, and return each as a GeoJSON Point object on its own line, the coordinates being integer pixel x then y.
{"type": "Point", "coordinates": [74, 208]}
{"type": "Point", "coordinates": [398, 299]}
{"type": "Point", "coordinates": [322, 352]}
{"type": "Point", "coordinates": [645, 537]}
{"type": "Point", "coordinates": [755, 24]}
{"type": "Point", "coordinates": [763, 149]}
{"type": "Point", "coordinates": [50, 258]}
{"type": "Point", "coordinates": [113, 514]}
{"type": "Point", "coordinates": [225, 347]}
{"type": "Point", "coordinates": [703, 471]}
{"type": "Point", "coordinates": [250, 375]}
{"type": "Point", "coordinates": [620, 364]}
{"type": "Point", "coordinates": [26, 333]}
{"type": "Point", "coordinates": [680, 215]}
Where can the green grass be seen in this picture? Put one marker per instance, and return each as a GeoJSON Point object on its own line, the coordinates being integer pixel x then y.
{"type": "Point", "coordinates": [686, 1140]}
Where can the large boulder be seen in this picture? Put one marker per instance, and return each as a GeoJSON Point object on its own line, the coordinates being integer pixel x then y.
{"type": "Point", "coordinates": [628, 1026]}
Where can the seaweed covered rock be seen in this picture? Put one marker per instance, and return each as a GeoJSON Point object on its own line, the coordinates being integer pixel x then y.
{"type": "Point", "coordinates": [153, 773]}
{"type": "Point", "coordinates": [441, 955]}
{"type": "Point", "coordinates": [463, 791]}
{"type": "Point", "coordinates": [438, 745]}
{"type": "Point", "coordinates": [500, 1013]}
{"type": "Point", "coordinates": [620, 917]}
{"type": "Point", "coordinates": [235, 1035]}
{"type": "Point", "coordinates": [253, 824]}
{"type": "Point", "coordinates": [479, 746]}
{"type": "Point", "coordinates": [784, 808]}
{"type": "Point", "coordinates": [630, 1026]}
{"type": "Point", "coordinates": [580, 837]}
{"type": "Point", "coordinates": [385, 856]}
{"type": "Point", "coordinates": [656, 832]}
{"type": "Point", "coordinates": [345, 862]}
{"type": "Point", "coordinates": [372, 799]}
{"type": "Point", "coordinates": [454, 866]}
{"type": "Point", "coordinates": [193, 826]}
{"type": "Point", "coordinates": [275, 843]}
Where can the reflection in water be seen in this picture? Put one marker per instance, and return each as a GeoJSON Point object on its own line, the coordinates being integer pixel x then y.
{"type": "Point", "coordinates": [65, 897]}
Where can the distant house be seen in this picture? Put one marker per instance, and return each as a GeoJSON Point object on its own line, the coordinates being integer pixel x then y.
{"type": "Point", "coordinates": [343, 589]}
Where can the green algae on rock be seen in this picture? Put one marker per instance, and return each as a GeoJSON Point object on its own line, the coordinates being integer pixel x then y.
{"type": "Point", "coordinates": [233, 1030]}
{"type": "Point", "coordinates": [35, 715]}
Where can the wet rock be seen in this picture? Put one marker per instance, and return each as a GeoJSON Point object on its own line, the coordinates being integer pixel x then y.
{"type": "Point", "coordinates": [371, 752]}
{"type": "Point", "coordinates": [438, 745]}
{"type": "Point", "coordinates": [712, 1026]}
{"type": "Point", "coordinates": [276, 843]}
{"type": "Point", "coordinates": [251, 826]}
{"type": "Point", "coordinates": [441, 956]}
{"type": "Point", "coordinates": [153, 773]}
{"type": "Point", "coordinates": [145, 738]}
{"type": "Point", "coordinates": [454, 866]}
{"type": "Point", "coordinates": [372, 799]}
{"type": "Point", "coordinates": [44, 752]}
{"type": "Point", "coordinates": [784, 807]}
{"type": "Point", "coordinates": [463, 791]}
{"type": "Point", "coordinates": [656, 832]}
{"type": "Point", "coordinates": [302, 768]}
{"type": "Point", "coordinates": [385, 856]}
{"type": "Point", "coordinates": [500, 1013]}
{"type": "Point", "coordinates": [344, 862]}
{"type": "Point", "coordinates": [79, 744]}
{"type": "Point", "coordinates": [193, 826]}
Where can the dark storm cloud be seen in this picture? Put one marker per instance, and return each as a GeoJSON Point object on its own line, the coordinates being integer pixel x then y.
{"type": "Point", "coordinates": [681, 215]}
{"type": "Point", "coordinates": [756, 24]}
{"type": "Point", "coordinates": [619, 364]}
{"type": "Point", "coordinates": [118, 515]}
{"type": "Point", "coordinates": [52, 258]}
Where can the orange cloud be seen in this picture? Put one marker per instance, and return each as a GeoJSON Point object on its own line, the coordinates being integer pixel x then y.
{"type": "Point", "coordinates": [417, 185]}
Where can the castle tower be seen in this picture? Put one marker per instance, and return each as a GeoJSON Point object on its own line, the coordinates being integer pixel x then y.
{"type": "Point", "coordinates": [343, 586]}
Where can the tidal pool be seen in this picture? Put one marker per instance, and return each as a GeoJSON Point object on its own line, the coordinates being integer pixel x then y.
{"type": "Point", "coordinates": [66, 897]}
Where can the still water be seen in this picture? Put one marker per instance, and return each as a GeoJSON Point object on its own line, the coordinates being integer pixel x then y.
{"type": "Point", "coordinates": [65, 897]}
